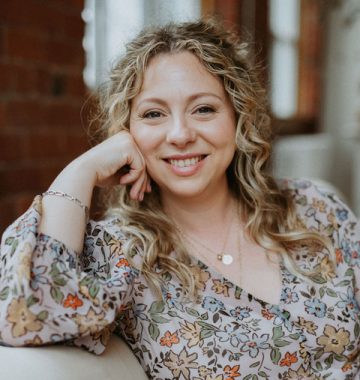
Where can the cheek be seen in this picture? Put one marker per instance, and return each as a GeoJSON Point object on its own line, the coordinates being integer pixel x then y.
{"type": "Point", "coordinates": [228, 143]}
{"type": "Point", "coordinates": [227, 136]}
{"type": "Point", "coordinates": [145, 139]}
{"type": "Point", "coordinates": [138, 132]}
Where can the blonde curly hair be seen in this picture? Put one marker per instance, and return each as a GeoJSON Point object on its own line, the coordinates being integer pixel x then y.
{"type": "Point", "coordinates": [270, 214]}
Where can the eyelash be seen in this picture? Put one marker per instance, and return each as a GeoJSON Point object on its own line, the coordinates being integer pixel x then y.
{"type": "Point", "coordinates": [208, 109]}
{"type": "Point", "coordinates": [150, 115]}
{"type": "Point", "coordinates": [156, 114]}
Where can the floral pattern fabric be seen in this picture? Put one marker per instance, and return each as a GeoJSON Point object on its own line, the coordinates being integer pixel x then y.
{"type": "Point", "coordinates": [49, 295]}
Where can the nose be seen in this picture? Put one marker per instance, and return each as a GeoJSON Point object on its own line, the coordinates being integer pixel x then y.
{"type": "Point", "coordinates": [180, 132]}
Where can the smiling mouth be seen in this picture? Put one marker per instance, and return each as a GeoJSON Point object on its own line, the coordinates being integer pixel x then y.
{"type": "Point", "coordinates": [185, 162]}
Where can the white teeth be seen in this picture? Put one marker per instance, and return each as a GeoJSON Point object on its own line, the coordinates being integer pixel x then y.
{"type": "Point", "coordinates": [186, 162]}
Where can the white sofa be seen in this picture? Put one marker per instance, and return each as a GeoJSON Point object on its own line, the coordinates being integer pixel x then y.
{"type": "Point", "coordinates": [70, 363]}
{"type": "Point", "coordinates": [324, 157]}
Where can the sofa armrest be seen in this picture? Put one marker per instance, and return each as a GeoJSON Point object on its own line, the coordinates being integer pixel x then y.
{"type": "Point", "coordinates": [70, 363]}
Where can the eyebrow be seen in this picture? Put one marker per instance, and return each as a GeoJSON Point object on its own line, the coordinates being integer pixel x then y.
{"type": "Point", "coordinates": [190, 98]}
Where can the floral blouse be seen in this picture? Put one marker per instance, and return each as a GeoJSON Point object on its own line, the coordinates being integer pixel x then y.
{"type": "Point", "coordinates": [49, 295]}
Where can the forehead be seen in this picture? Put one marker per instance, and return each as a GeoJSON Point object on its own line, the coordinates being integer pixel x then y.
{"type": "Point", "coordinates": [180, 70]}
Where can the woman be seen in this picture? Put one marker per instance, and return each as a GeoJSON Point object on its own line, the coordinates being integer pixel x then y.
{"type": "Point", "coordinates": [205, 265]}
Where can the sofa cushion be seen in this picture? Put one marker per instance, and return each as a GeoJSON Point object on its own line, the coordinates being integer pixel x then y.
{"type": "Point", "coordinates": [69, 363]}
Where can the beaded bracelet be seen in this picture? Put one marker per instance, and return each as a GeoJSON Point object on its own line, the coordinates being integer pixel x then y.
{"type": "Point", "coordinates": [70, 198]}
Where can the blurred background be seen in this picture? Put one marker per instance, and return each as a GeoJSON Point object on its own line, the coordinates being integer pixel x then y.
{"type": "Point", "coordinates": [54, 52]}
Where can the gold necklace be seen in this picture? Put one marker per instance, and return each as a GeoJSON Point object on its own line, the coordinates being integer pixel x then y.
{"type": "Point", "coordinates": [225, 258]}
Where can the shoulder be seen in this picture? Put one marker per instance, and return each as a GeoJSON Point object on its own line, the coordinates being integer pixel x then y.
{"type": "Point", "coordinates": [317, 195]}
{"type": "Point", "coordinates": [309, 187]}
{"type": "Point", "coordinates": [319, 205]}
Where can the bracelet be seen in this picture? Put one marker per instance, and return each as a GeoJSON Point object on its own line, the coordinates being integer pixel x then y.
{"type": "Point", "coordinates": [70, 198]}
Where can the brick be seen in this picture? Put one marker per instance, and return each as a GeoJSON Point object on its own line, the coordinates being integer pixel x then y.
{"type": "Point", "coordinates": [75, 85]}
{"type": "Point", "coordinates": [43, 16]}
{"type": "Point", "coordinates": [49, 173]}
{"type": "Point", "coordinates": [14, 179]}
{"type": "Point", "coordinates": [72, 6]}
{"type": "Point", "coordinates": [12, 147]}
{"type": "Point", "coordinates": [74, 27]}
{"type": "Point", "coordinates": [25, 113]}
{"type": "Point", "coordinates": [26, 44]}
{"type": "Point", "coordinates": [59, 84]}
{"type": "Point", "coordinates": [33, 178]}
{"type": "Point", "coordinates": [64, 115]}
{"type": "Point", "coordinates": [76, 145]}
{"type": "Point", "coordinates": [24, 79]}
{"type": "Point", "coordinates": [8, 214]}
{"type": "Point", "coordinates": [18, 78]}
{"type": "Point", "coordinates": [70, 26]}
{"type": "Point", "coordinates": [2, 39]}
{"type": "Point", "coordinates": [34, 113]}
{"type": "Point", "coordinates": [22, 202]}
{"type": "Point", "coordinates": [45, 145]}
{"type": "Point", "coordinates": [62, 52]}
{"type": "Point", "coordinates": [26, 13]}
{"type": "Point", "coordinates": [6, 75]}
{"type": "Point", "coordinates": [78, 4]}
{"type": "Point", "coordinates": [41, 89]}
{"type": "Point", "coordinates": [13, 206]}
{"type": "Point", "coordinates": [43, 84]}
{"type": "Point", "coordinates": [2, 115]}
{"type": "Point", "coordinates": [59, 24]}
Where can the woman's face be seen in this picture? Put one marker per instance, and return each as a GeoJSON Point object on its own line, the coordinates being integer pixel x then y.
{"type": "Point", "coordinates": [184, 125]}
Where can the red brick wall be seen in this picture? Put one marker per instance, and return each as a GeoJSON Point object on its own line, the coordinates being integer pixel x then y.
{"type": "Point", "coordinates": [41, 95]}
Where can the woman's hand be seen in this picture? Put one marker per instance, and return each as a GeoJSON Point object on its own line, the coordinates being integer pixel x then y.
{"type": "Point", "coordinates": [117, 160]}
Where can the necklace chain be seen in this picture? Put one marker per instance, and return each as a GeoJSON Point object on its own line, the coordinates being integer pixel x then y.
{"type": "Point", "coordinates": [222, 256]}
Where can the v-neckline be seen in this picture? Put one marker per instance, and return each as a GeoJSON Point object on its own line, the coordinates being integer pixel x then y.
{"type": "Point", "coordinates": [216, 274]}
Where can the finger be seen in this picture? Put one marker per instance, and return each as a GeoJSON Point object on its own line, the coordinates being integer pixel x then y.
{"type": "Point", "coordinates": [146, 188]}
{"type": "Point", "coordinates": [135, 192]}
{"type": "Point", "coordinates": [143, 187]}
{"type": "Point", "coordinates": [148, 185]}
{"type": "Point", "coordinates": [131, 176]}
{"type": "Point", "coordinates": [135, 168]}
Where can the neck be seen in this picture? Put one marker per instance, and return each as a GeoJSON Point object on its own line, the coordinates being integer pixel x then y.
{"type": "Point", "coordinates": [202, 214]}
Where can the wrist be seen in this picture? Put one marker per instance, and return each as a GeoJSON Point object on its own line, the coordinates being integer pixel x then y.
{"type": "Point", "coordinates": [77, 180]}
{"type": "Point", "coordinates": [81, 172]}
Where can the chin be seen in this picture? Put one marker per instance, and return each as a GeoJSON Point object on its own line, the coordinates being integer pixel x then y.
{"type": "Point", "coordinates": [184, 191]}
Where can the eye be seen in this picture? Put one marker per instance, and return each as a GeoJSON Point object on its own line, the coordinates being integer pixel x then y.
{"type": "Point", "coordinates": [204, 110]}
{"type": "Point", "coordinates": [152, 115]}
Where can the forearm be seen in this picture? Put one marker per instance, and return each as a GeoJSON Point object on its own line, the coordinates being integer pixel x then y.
{"type": "Point", "coordinates": [62, 218]}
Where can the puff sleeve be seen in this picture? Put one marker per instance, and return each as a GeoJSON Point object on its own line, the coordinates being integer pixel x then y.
{"type": "Point", "coordinates": [48, 294]}
{"type": "Point", "coordinates": [324, 212]}
{"type": "Point", "coordinates": [348, 245]}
